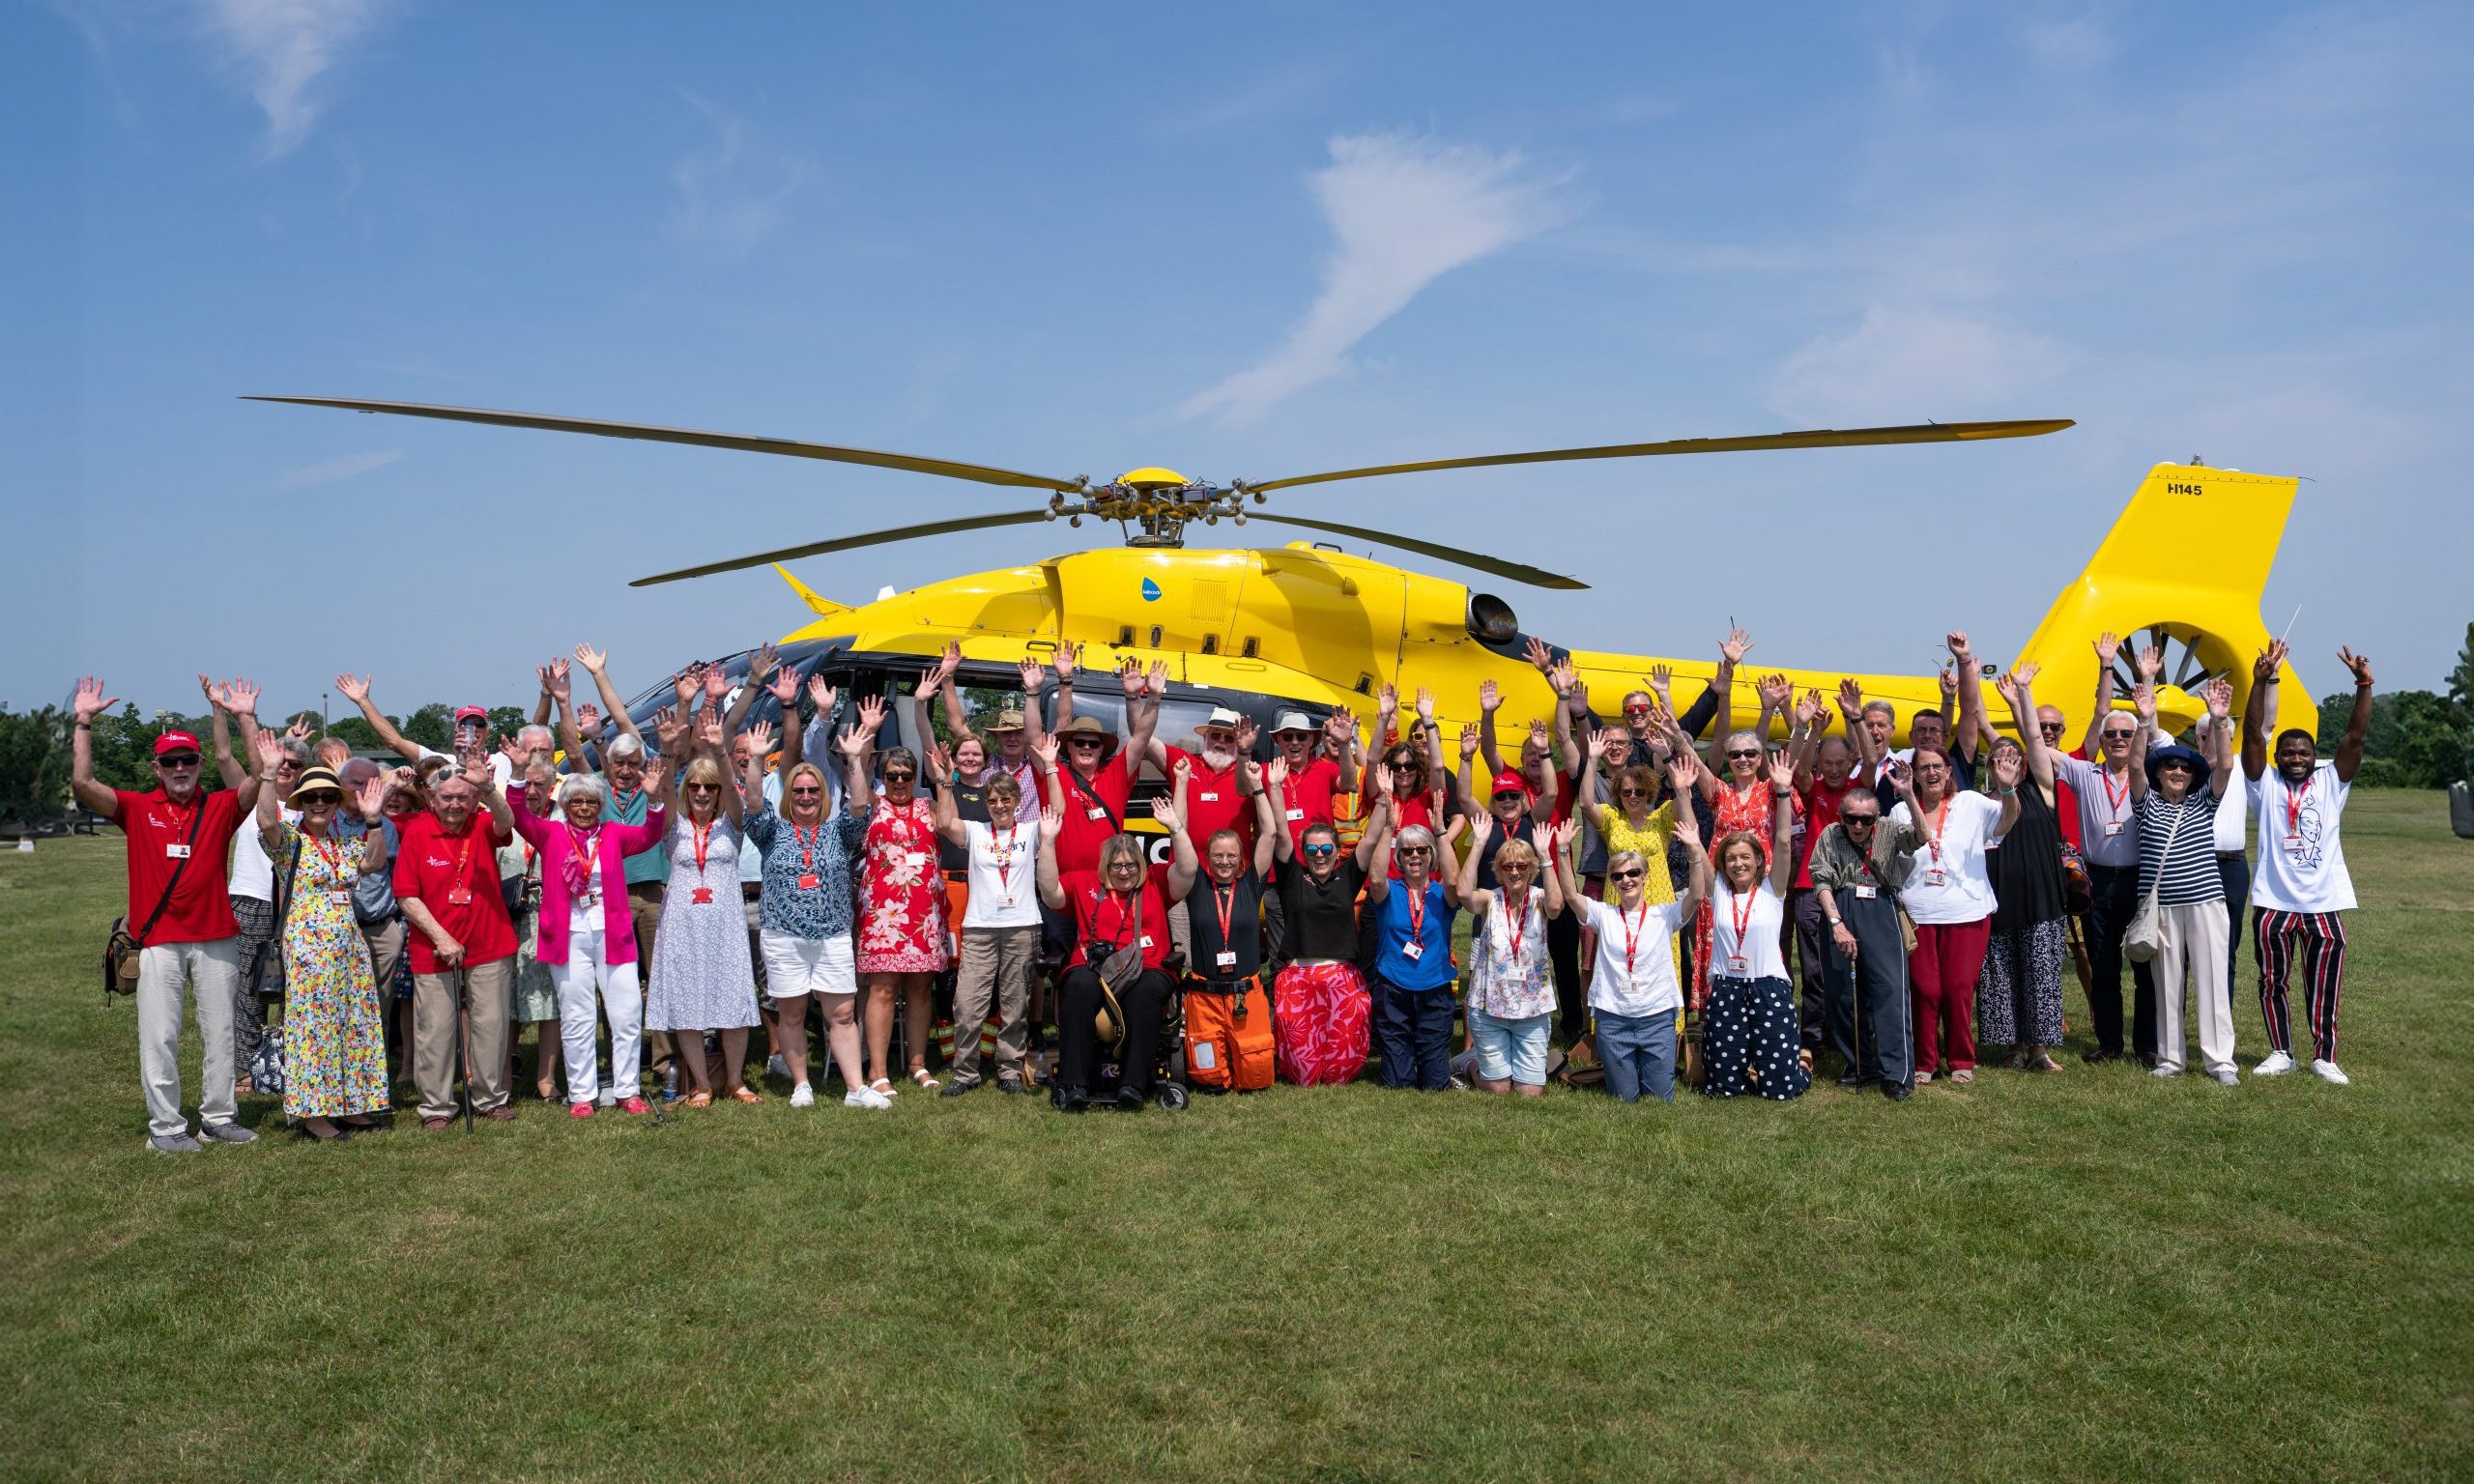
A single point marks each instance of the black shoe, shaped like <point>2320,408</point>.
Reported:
<point>2100,1054</point>
<point>1068,1099</point>
<point>1129,1101</point>
<point>1896,1093</point>
<point>957,1089</point>
<point>1010,1086</point>
<point>1855,1079</point>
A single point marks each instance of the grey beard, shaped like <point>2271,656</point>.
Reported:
<point>1219,761</point>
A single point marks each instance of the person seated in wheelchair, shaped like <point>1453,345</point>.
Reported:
<point>1229,1040</point>
<point>1117,967</point>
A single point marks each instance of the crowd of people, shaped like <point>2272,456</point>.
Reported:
<point>1645,907</point>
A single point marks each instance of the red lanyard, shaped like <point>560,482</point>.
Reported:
<point>2295,799</point>
<point>1740,910</point>
<point>1633,927</point>
<point>1224,902</point>
<point>2114,801</point>
<point>586,849</point>
<point>1941,821</point>
<point>704,836</point>
<point>330,853</point>
<point>1004,850</point>
<point>1418,915</point>
<point>807,844</point>
<point>1516,913</point>
<point>462,855</point>
<point>1123,908</point>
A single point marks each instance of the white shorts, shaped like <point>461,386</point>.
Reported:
<point>797,966</point>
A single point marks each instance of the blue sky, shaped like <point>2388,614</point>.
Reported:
<point>1074,240</point>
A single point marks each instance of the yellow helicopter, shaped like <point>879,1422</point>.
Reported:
<point>1310,626</point>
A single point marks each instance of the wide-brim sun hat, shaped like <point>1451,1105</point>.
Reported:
<point>1294,720</point>
<point>2200,768</point>
<point>1088,727</point>
<point>312,782</point>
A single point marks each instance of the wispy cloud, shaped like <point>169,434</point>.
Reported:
<point>310,476</point>
<point>1908,363</point>
<point>726,197</point>
<point>1403,212</point>
<point>281,48</point>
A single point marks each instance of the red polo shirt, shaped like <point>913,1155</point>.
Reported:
<point>2065,803</point>
<point>1213,801</point>
<point>1820,811</point>
<point>1086,824</point>
<point>1307,796</point>
<point>431,865</point>
<point>200,910</point>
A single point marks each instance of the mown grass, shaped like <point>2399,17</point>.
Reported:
<point>2084,1276</point>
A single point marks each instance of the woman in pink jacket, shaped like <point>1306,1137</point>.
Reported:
<point>588,933</point>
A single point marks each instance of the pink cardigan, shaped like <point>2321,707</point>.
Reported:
<point>550,837</point>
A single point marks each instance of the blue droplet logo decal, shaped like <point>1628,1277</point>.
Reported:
<point>1150,590</point>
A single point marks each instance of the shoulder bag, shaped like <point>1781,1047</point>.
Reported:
<point>2141,938</point>
<point>122,949</point>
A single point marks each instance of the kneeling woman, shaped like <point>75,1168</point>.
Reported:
<point>1512,988</point>
<point>1413,968</point>
<point>1749,1039</point>
<point>588,932</point>
<point>1112,908</point>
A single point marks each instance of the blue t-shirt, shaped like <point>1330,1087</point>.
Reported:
<point>820,911</point>
<point>1431,966</point>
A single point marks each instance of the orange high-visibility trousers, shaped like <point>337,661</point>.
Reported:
<point>1226,1047</point>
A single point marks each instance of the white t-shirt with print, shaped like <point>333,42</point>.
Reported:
<point>1009,898</point>
<point>1951,885</point>
<point>1645,986</point>
<point>2302,857</point>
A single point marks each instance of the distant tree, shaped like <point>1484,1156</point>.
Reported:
<point>34,765</point>
<point>2417,740</point>
<point>359,734</point>
<point>2460,680</point>
<point>508,720</point>
<point>432,726</point>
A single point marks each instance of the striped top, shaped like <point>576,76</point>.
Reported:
<point>2189,868</point>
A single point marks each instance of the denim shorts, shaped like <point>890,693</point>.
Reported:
<point>1510,1049</point>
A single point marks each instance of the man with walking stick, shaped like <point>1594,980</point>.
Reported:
<point>463,945</point>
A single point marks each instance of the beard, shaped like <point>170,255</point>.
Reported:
<point>1219,758</point>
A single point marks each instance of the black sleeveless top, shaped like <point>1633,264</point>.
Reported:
<point>2026,871</point>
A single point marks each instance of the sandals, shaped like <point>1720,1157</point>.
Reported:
<point>2018,1061</point>
<point>1923,1077</point>
<point>700,1099</point>
<point>883,1088</point>
<point>2043,1061</point>
<point>919,1075</point>
<point>745,1093</point>
<point>1963,1074</point>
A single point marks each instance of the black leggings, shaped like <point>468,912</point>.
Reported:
<point>1146,1007</point>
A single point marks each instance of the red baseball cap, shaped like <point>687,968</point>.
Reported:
<point>465,714</point>
<point>1511,779</point>
<point>176,742</point>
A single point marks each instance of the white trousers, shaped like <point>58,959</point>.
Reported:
<point>165,974</point>
<point>579,1018</point>
<point>2191,941</point>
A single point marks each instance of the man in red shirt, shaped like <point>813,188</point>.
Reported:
<point>1221,794</point>
<point>1316,779</point>
<point>462,943</point>
<point>180,910</point>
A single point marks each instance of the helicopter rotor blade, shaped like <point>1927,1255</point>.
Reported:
<point>950,468</point>
<point>1534,577</point>
<point>849,543</point>
<point>1818,438</point>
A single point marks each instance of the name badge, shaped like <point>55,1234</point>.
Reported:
<point>1412,950</point>
<point>459,896</point>
<point>1296,813</point>
<point>589,899</point>
<point>1095,811</point>
<point>1227,958</point>
<point>1738,963</point>
<point>1208,798</point>
<point>1867,893</point>
<point>1936,878</point>
<point>175,852</point>
<point>340,898</point>
<point>701,897</point>
<point>1147,940</point>
<point>2112,828</point>
<point>2295,845</point>
<point>808,881</point>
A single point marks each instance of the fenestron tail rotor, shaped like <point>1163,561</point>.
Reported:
<point>1157,504</point>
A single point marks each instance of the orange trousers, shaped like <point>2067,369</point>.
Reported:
<point>1225,1048</point>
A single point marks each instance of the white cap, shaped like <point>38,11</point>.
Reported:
<point>1293,721</point>
<point>1221,716</point>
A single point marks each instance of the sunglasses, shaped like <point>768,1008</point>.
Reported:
<point>1084,742</point>
<point>1632,792</point>
<point>808,792</point>
<point>1860,821</point>
<point>1635,873</point>
<point>177,760</point>
<point>900,778</point>
<point>1322,849</point>
<point>704,787</point>
<point>1743,751</point>
<point>322,796</point>
<point>1415,850</point>
<point>2049,727</point>
<point>1636,710</point>
<point>2113,734</point>
<point>2173,765</point>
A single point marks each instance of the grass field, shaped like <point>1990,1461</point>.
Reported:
<point>2084,1276</point>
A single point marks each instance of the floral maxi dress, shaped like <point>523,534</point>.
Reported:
<point>902,893</point>
<point>334,1045</point>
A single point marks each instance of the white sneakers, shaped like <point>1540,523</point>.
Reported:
<point>2227,1076</point>
<point>866,1097</point>
<point>2329,1072</point>
<point>803,1097</point>
<point>2277,1065</point>
<point>2153,1071</point>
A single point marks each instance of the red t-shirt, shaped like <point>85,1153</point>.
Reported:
<point>431,864</point>
<point>1087,825</point>
<point>1821,810</point>
<point>1213,802</point>
<point>200,910</point>
<point>1306,797</point>
<point>2065,803</point>
<point>1100,913</point>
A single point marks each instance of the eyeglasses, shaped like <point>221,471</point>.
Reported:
<point>322,796</point>
<point>1743,751</point>
<point>1084,742</point>
<point>1641,710</point>
<point>1930,770</point>
<point>2173,765</point>
<point>177,760</point>
<point>1634,873</point>
<point>2119,734</point>
<point>1858,822</point>
<point>704,787</point>
<point>2049,728</point>
<point>900,778</point>
<point>810,791</point>
<point>1415,850</point>
<point>1322,849</point>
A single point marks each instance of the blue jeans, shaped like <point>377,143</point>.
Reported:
<point>1413,1028</point>
<point>1510,1050</point>
<point>1638,1052</point>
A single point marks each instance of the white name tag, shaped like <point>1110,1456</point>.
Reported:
<point>177,852</point>
<point>1296,813</point>
<point>1208,798</point>
<point>1867,893</point>
<point>1095,811</point>
<point>1737,964</point>
<point>2112,828</point>
<point>1147,940</point>
<point>340,898</point>
<point>1935,878</point>
<point>1412,950</point>
<point>2295,845</point>
<point>1227,959</point>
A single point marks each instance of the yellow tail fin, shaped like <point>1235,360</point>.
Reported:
<point>824,607</point>
<point>2182,569</point>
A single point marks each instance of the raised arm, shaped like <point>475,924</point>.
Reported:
<point>1782,826</point>
<point>597,664</point>
<point>266,754</point>
<point>1464,880</point>
<point>1340,739</point>
<point>1489,698</point>
<point>932,680</point>
<point>949,819</point>
<point>2260,707</point>
<point>1066,659</point>
<point>1721,692</point>
<point>1552,841</point>
<point>2144,702</point>
<point>355,690</point>
<point>1183,864</point>
<point>2014,689</point>
<point>476,771</point>
<point>856,742</point>
<point>1051,822</point>
<point>760,666</point>
<point>1463,775</point>
<point>219,729</point>
<point>2092,744</point>
<point>2218,694</point>
<point>1378,821</point>
<point>1142,693</point>
<point>2357,720</point>
<point>1973,730</point>
<point>1688,905</point>
<point>1268,817</point>
<point>1567,751</point>
<point>90,702</point>
<point>2008,769</point>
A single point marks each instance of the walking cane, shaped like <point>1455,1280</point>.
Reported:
<point>464,1040</point>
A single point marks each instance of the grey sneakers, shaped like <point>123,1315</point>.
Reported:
<point>174,1143</point>
<point>227,1133</point>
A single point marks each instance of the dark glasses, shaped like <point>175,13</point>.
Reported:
<point>179,760</point>
<point>2049,727</point>
<point>2117,734</point>
<point>900,778</point>
<point>1860,821</point>
<point>1743,751</point>
<point>1084,742</point>
<point>1415,850</point>
<point>808,791</point>
<point>322,796</point>
<point>1634,875</point>
<point>1322,849</point>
